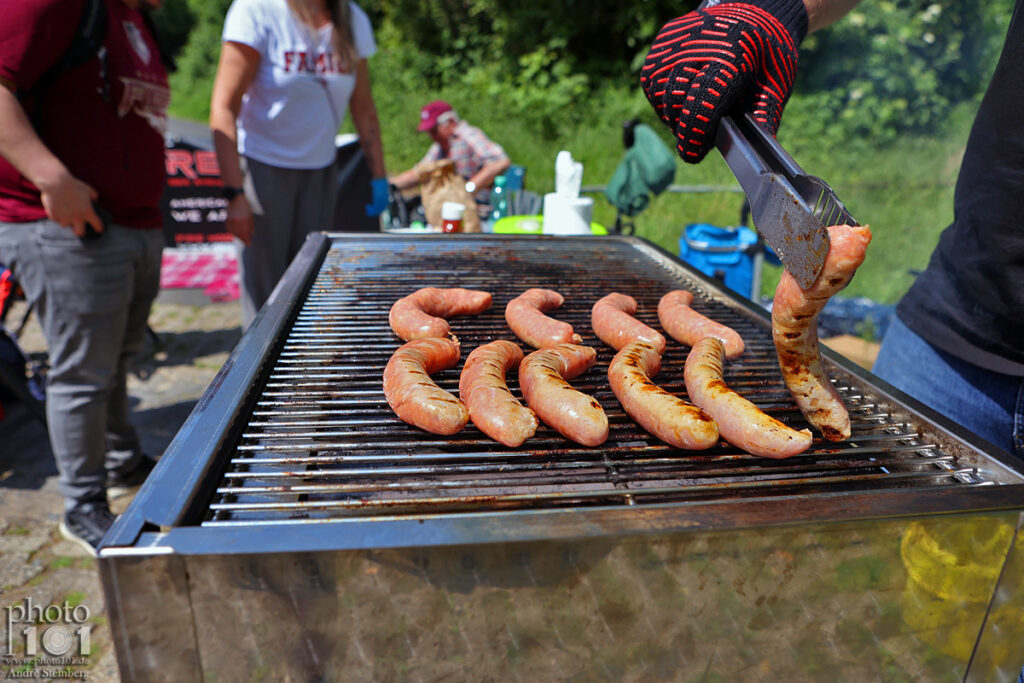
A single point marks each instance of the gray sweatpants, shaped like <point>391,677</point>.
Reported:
<point>92,298</point>
<point>287,204</point>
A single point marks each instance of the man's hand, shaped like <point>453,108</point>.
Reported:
<point>69,202</point>
<point>239,220</point>
<point>734,56</point>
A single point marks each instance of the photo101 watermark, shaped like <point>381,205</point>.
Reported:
<point>46,641</point>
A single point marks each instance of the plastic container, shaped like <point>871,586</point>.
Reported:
<point>515,178</point>
<point>533,225</point>
<point>499,198</point>
<point>732,255</point>
<point>451,216</point>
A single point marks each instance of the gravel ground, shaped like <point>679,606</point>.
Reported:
<point>36,563</point>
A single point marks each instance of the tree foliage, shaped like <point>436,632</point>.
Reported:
<point>890,67</point>
<point>895,67</point>
<point>192,83</point>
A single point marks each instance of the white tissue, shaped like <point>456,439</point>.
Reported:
<point>568,175</point>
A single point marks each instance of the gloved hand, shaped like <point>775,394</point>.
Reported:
<point>732,57</point>
<point>379,187</point>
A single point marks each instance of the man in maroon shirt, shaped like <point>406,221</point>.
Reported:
<point>81,174</point>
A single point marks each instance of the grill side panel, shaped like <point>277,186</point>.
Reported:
<point>792,604</point>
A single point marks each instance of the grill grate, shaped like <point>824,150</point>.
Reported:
<point>322,443</point>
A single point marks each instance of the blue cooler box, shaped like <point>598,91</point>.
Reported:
<point>731,255</point>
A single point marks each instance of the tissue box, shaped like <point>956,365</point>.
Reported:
<point>567,215</point>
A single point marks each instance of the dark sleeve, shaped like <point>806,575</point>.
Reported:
<point>34,35</point>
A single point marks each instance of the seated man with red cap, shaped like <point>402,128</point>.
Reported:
<point>477,159</point>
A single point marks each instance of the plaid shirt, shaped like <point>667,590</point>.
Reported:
<point>470,149</point>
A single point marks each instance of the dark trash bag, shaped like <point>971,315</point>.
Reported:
<point>648,168</point>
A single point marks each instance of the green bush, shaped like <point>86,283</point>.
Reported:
<point>890,68</point>
<point>192,83</point>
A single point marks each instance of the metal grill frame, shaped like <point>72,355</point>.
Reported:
<point>167,513</point>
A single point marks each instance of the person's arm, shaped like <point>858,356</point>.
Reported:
<point>66,199</point>
<point>411,178</point>
<point>489,171</point>
<point>364,117</point>
<point>405,179</point>
<point>495,160</point>
<point>235,72</point>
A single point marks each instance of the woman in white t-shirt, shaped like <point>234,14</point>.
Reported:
<point>288,72</point>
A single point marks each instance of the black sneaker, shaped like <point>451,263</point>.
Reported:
<point>122,484</point>
<point>86,524</point>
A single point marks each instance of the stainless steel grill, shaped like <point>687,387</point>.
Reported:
<point>296,529</point>
<point>322,442</point>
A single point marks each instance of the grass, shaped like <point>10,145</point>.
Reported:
<point>903,191</point>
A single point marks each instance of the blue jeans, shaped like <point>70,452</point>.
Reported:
<point>987,403</point>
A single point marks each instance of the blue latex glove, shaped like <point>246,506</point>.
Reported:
<point>379,187</point>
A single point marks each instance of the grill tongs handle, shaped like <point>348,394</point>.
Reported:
<point>790,209</point>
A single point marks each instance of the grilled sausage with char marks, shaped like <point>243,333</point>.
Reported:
<point>795,331</point>
<point>740,422</point>
<point>687,326</point>
<point>525,316</point>
<point>613,323</point>
<point>422,313</point>
<point>666,416</point>
<point>484,391</point>
<point>414,396</point>
<point>573,414</point>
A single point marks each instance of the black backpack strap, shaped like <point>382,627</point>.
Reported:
<point>86,44</point>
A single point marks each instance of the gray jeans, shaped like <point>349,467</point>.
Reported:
<point>92,298</point>
<point>287,205</point>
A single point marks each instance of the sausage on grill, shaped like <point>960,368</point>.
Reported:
<point>484,391</point>
<point>573,414</point>
<point>795,331</point>
<point>740,422</point>
<point>414,396</point>
<point>613,323</point>
<point>687,326</point>
<point>422,313</point>
<point>666,416</point>
<point>525,316</point>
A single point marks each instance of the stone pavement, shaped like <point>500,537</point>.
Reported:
<point>36,563</point>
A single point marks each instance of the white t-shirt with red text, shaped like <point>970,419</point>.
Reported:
<point>299,97</point>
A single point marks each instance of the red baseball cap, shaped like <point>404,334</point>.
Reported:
<point>430,112</point>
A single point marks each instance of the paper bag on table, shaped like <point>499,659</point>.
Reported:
<point>439,183</point>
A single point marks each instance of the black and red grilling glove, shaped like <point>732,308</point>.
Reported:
<point>728,58</point>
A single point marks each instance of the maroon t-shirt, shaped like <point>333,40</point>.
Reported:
<point>115,144</point>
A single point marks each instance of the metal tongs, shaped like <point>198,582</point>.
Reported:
<point>790,209</point>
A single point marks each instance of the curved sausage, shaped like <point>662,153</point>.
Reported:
<point>666,416</point>
<point>573,414</point>
<point>613,323</point>
<point>795,331</point>
<point>687,326</point>
<point>740,422</point>
<point>422,313</point>
<point>414,397</point>
<point>525,316</point>
<point>492,407</point>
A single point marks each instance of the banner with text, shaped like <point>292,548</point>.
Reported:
<point>193,208</point>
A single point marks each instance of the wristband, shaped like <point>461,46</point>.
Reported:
<point>230,193</point>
